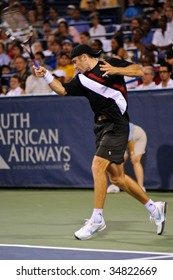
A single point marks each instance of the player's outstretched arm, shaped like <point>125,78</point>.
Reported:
<point>54,84</point>
<point>133,70</point>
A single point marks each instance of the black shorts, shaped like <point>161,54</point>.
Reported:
<point>111,140</point>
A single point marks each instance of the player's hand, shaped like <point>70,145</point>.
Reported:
<point>39,72</point>
<point>107,68</point>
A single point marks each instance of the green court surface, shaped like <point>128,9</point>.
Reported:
<point>50,217</point>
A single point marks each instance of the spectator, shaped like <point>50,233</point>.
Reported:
<point>60,75</point>
<point>39,8</point>
<point>148,59</point>
<point>14,51</point>
<point>1,91</point>
<point>40,57</point>
<point>4,57</point>
<point>5,69</point>
<point>50,40</point>
<point>5,77</point>
<point>4,38</point>
<point>136,49</point>
<point>155,14</point>
<point>162,38</point>
<point>56,48</point>
<point>64,63</point>
<point>90,5</point>
<point>33,86</point>
<point>69,12</point>
<point>84,4</point>
<point>169,59</point>
<point>151,6</point>
<point>21,68</point>
<point>37,47</point>
<point>117,46</point>
<point>46,29</point>
<point>32,19</point>
<point>53,17</point>
<point>133,10</point>
<point>166,3</point>
<point>15,88</point>
<point>165,76</point>
<point>169,14</point>
<point>67,46</point>
<point>78,22</point>
<point>108,3</point>
<point>85,37</point>
<point>97,45</point>
<point>16,5</point>
<point>147,79</point>
<point>65,31</point>
<point>97,30</point>
<point>135,23</point>
<point>147,32</point>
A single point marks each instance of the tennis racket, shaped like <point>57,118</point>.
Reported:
<point>18,29</point>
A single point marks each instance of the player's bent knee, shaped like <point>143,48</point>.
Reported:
<point>117,180</point>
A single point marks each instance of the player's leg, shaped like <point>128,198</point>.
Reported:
<point>157,210</point>
<point>126,183</point>
<point>99,167</point>
<point>96,223</point>
<point>113,188</point>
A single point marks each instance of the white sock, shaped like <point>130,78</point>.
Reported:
<point>150,206</point>
<point>97,215</point>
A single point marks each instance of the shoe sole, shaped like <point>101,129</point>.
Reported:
<point>89,237</point>
<point>163,224</point>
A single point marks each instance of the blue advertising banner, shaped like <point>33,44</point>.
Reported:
<point>153,111</point>
<point>46,141</point>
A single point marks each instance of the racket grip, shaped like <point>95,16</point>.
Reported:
<point>36,64</point>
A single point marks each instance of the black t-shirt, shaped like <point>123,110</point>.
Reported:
<point>107,95</point>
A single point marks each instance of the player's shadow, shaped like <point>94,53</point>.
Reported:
<point>165,165</point>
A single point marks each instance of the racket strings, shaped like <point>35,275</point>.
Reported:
<point>17,26</point>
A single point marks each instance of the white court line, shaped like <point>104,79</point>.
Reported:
<point>155,257</point>
<point>166,254</point>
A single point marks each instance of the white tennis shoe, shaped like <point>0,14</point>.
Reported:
<point>89,229</point>
<point>159,216</point>
<point>113,189</point>
<point>144,189</point>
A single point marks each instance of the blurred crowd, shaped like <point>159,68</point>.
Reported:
<point>144,36</point>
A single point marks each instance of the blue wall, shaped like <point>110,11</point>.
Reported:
<point>48,141</point>
<point>154,112</point>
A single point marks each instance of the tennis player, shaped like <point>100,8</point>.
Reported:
<point>102,83</point>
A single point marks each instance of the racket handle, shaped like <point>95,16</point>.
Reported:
<point>36,64</point>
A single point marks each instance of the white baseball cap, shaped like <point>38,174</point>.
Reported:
<point>72,7</point>
<point>59,73</point>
